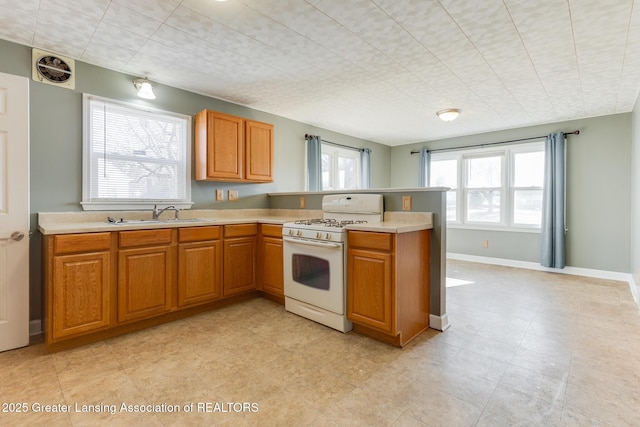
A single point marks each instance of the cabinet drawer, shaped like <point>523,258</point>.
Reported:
<point>271,230</point>
<point>85,242</point>
<point>370,240</point>
<point>145,237</point>
<point>236,230</point>
<point>198,234</point>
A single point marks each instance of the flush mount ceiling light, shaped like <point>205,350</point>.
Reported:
<point>449,114</point>
<point>145,88</point>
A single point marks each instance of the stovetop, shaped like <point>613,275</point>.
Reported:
<point>327,222</point>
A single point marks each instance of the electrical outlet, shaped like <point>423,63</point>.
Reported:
<point>485,244</point>
<point>233,195</point>
<point>219,195</point>
<point>406,203</point>
<point>303,203</point>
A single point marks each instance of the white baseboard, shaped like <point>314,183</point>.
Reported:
<point>441,323</point>
<point>635,289</point>
<point>576,271</point>
<point>35,327</point>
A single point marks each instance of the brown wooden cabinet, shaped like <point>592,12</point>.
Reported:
<point>258,151</point>
<point>230,148</point>
<point>239,271</point>
<point>388,284</point>
<point>100,285</point>
<point>146,273</point>
<point>270,262</point>
<point>79,285</point>
<point>199,265</point>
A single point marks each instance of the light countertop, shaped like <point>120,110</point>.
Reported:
<point>89,222</point>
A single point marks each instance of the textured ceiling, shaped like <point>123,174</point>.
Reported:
<point>374,69</point>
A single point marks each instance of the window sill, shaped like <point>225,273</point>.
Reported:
<point>494,228</point>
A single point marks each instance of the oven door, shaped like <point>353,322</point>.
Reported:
<point>314,273</point>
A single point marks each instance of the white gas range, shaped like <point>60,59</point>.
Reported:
<point>314,258</point>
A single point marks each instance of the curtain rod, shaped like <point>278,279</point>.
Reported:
<point>575,132</point>
<point>307,136</point>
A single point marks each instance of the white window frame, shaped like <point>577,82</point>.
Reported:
<point>521,149</point>
<point>508,153</point>
<point>466,188</point>
<point>90,202</point>
<point>334,151</point>
<point>458,187</point>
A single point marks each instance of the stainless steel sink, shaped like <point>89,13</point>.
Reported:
<point>152,221</point>
<point>169,221</point>
<point>134,221</point>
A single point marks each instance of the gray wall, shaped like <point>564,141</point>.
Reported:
<point>635,196</point>
<point>56,145</point>
<point>598,189</point>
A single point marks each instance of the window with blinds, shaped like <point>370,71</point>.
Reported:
<point>134,155</point>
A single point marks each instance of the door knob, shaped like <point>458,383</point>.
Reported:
<point>17,235</point>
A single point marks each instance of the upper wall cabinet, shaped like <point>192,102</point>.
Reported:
<point>230,148</point>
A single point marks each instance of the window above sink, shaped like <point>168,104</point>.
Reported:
<point>134,156</point>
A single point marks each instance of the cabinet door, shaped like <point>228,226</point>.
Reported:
<point>369,289</point>
<point>259,151</point>
<point>219,146</point>
<point>145,282</point>
<point>239,265</point>
<point>272,274</point>
<point>80,294</point>
<point>199,272</point>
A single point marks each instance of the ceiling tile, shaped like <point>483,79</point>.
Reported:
<point>373,69</point>
<point>130,20</point>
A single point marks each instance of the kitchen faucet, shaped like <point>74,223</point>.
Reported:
<point>157,213</point>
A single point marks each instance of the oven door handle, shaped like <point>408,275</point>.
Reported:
<point>311,242</point>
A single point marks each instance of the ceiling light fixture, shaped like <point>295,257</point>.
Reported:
<point>449,114</point>
<point>145,88</point>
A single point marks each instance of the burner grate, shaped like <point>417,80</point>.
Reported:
<point>329,222</point>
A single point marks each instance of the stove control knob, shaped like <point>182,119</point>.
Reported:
<point>328,236</point>
<point>299,233</point>
<point>290,232</point>
<point>318,235</point>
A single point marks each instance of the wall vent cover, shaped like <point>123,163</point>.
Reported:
<point>53,69</point>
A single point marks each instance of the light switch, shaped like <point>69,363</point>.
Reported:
<point>303,203</point>
<point>233,195</point>
<point>219,195</point>
<point>406,203</point>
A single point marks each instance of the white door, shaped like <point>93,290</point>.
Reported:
<point>14,211</point>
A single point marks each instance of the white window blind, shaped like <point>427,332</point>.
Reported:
<point>135,155</point>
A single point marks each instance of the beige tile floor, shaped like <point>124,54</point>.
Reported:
<point>525,348</point>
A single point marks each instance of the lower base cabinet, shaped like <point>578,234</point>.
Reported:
<point>79,285</point>
<point>199,265</point>
<point>146,265</point>
<point>99,285</point>
<point>239,253</point>
<point>270,255</point>
<point>388,284</point>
